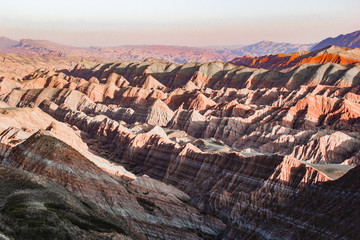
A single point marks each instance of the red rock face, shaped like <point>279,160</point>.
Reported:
<point>286,62</point>
<point>214,150</point>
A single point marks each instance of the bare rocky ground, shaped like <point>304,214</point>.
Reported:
<point>156,150</point>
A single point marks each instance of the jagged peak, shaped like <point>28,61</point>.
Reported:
<point>157,103</point>
<point>158,131</point>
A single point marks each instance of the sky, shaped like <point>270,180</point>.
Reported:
<point>169,22</point>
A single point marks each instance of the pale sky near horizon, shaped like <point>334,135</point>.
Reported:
<point>186,22</point>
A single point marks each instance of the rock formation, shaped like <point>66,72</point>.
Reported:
<point>158,150</point>
<point>286,62</point>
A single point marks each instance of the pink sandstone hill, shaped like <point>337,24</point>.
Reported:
<point>161,150</point>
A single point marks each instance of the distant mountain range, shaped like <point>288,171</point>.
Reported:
<point>179,54</point>
<point>268,47</point>
<point>350,40</point>
<point>7,43</point>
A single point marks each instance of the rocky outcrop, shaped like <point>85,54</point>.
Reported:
<point>277,120</point>
<point>155,112</point>
<point>270,150</point>
<point>313,111</point>
<point>259,185</point>
<point>286,62</point>
<point>157,215</point>
<point>279,180</point>
<point>148,82</point>
<point>32,207</point>
<point>323,202</point>
<point>329,147</point>
<point>190,121</point>
<point>18,123</point>
<point>238,77</point>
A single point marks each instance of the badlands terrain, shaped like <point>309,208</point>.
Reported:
<point>153,149</point>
